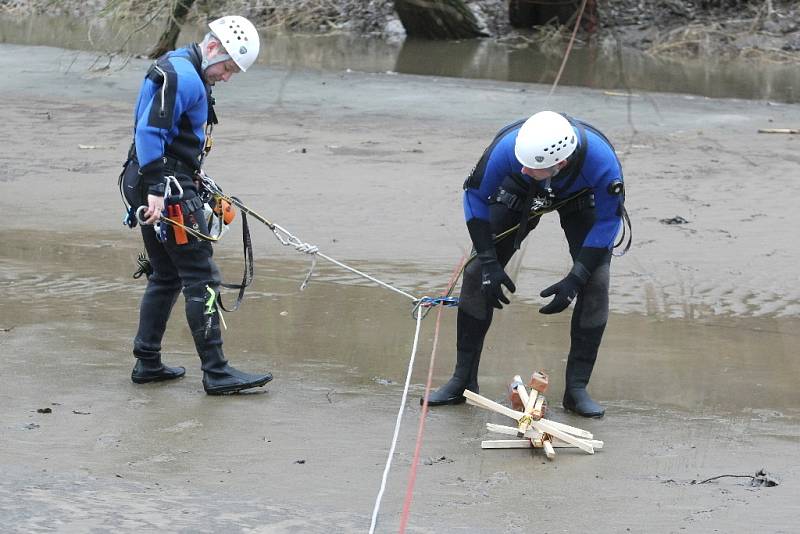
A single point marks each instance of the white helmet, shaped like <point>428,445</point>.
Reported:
<point>240,39</point>
<point>544,140</point>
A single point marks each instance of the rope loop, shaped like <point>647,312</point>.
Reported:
<point>429,302</point>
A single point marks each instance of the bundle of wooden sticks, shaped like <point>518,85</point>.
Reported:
<point>533,430</point>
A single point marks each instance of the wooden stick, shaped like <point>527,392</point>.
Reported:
<point>534,435</point>
<point>483,402</point>
<point>536,413</point>
<point>544,427</point>
<point>617,93</point>
<point>548,447</point>
<point>521,391</point>
<point>534,395</point>
<point>779,130</point>
<point>525,424</point>
<point>511,431</point>
<point>557,444</point>
<point>506,444</point>
<point>572,430</point>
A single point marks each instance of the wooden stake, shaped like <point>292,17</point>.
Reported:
<point>483,402</point>
<point>548,447</point>
<point>779,130</point>
<point>572,430</point>
<point>511,431</point>
<point>536,413</point>
<point>544,426</point>
<point>534,435</point>
<point>506,444</point>
<point>521,391</point>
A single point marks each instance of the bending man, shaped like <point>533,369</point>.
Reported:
<point>546,160</point>
<point>174,116</point>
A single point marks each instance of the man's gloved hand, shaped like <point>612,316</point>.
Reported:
<point>493,277</point>
<point>564,291</point>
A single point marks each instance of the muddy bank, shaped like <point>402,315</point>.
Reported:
<point>697,371</point>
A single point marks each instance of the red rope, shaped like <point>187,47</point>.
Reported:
<point>412,477</point>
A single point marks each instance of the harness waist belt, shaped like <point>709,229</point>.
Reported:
<point>515,202</point>
<point>193,204</point>
<point>178,167</point>
<point>581,203</point>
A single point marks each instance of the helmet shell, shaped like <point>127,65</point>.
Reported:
<point>239,38</point>
<point>544,140</point>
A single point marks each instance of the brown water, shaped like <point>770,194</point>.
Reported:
<point>744,366</point>
<point>597,67</point>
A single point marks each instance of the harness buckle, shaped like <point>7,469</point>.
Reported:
<point>512,201</point>
<point>540,203</point>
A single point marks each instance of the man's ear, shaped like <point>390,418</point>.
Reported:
<point>212,48</point>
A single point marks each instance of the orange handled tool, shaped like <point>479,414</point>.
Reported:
<point>175,213</point>
<point>224,210</point>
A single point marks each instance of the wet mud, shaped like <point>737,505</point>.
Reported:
<point>697,370</point>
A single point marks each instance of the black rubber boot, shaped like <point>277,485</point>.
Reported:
<point>586,332</point>
<point>152,370</point>
<point>219,377</point>
<point>470,335</point>
<point>227,379</point>
<point>577,400</point>
<point>157,302</point>
<point>453,391</point>
<point>579,369</point>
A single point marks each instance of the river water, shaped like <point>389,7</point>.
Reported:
<point>603,67</point>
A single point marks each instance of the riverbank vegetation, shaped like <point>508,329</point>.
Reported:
<point>755,29</point>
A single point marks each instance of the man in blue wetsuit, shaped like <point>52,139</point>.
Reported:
<point>173,120</point>
<point>547,160</point>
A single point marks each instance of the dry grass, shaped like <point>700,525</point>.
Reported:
<point>746,36</point>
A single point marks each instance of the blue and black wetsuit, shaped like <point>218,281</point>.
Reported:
<point>495,196</point>
<point>170,121</point>
<point>171,115</point>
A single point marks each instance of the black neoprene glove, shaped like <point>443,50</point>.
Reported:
<point>565,290</point>
<point>493,277</point>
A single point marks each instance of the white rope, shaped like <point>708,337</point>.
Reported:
<point>288,239</point>
<point>396,428</point>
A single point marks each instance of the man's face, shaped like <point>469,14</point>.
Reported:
<point>541,175</point>
<point>220,71</point>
